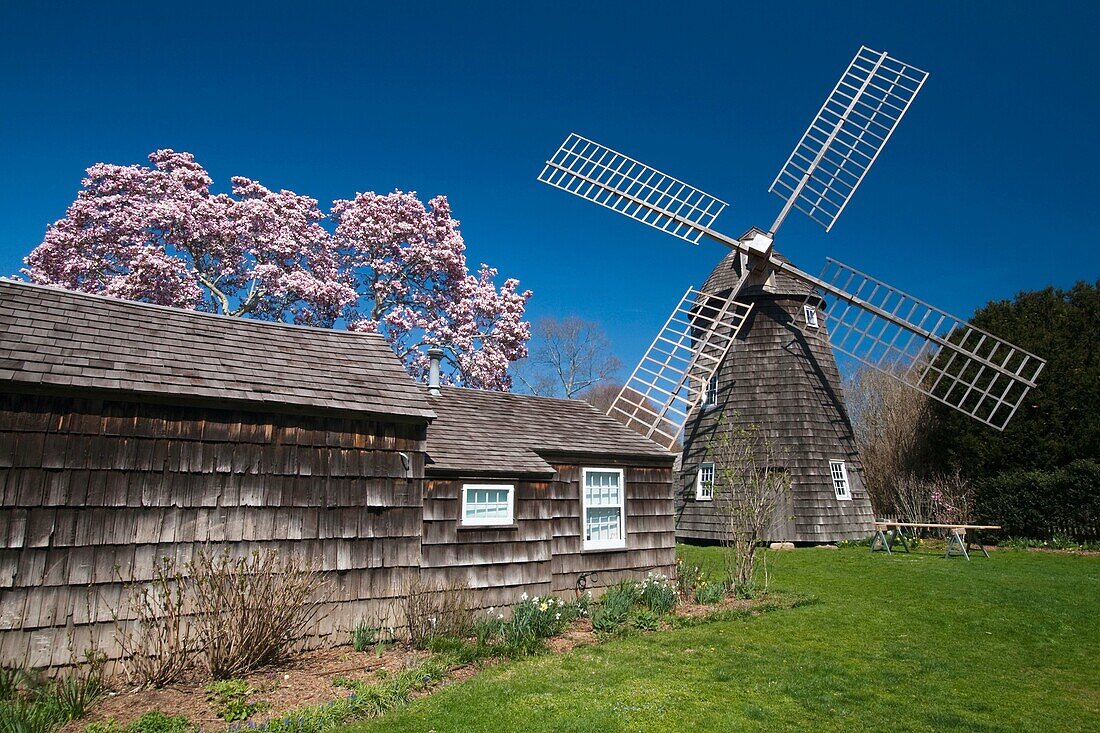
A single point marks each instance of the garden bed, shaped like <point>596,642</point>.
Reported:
<point>276,698</point>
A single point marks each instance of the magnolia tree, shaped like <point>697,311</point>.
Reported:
<point>390,265</point>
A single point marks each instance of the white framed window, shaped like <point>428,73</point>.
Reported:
<point>810,312</point>
<point>602,508</point>
<point>840,479</point>
<point>704,482</point>
<point>710,394</point>
<point>487,504</point>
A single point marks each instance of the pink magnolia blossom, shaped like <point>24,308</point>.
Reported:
<point>157,234</point>
<point>409,262</point>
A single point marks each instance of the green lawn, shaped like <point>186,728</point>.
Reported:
<point>894,643</point>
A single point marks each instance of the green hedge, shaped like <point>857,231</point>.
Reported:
<point>1040,504</point>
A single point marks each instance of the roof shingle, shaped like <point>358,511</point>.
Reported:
<point>50,336</point>
<point>508,434</point>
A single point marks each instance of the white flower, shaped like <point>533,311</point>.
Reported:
<point>524,596</point>
<point>557,617</point>
<point>286,677</point>
<point>500,617</point>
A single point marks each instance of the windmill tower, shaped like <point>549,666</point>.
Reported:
<point>756,342</point>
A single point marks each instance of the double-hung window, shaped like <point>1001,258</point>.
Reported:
<point>710,395</point>
<point>704,482</point>
<point>487,504</point>
<point>603,504</point>
<point>811,315</point>
<point>840,479</point>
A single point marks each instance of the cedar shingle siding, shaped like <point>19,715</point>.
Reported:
<point>130,432</point>
<point>782,376</point>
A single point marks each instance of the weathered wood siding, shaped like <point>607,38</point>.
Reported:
<point>499,562</point>
<point>97,489</point>
<point>650,533</point>
<point>782,376</point>
<point>542,552</point>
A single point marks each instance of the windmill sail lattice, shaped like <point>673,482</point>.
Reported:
<point>599,174</point>
<point>846,136</point>
<point>669,382</point>
<point>943,356</point>
<point>932,351</point>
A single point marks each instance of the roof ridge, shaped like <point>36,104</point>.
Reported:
<point>5,281</point>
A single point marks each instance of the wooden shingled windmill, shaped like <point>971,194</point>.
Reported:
<point>753,343</point>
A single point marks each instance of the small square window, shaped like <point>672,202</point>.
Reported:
<point>840,480</point>
<point>710,396</point>
<point>602,505</point>
<point>487,504</point>
<point>810,312</point>
<point>704,482</point>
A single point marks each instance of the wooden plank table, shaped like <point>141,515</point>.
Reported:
<point>955,543</point>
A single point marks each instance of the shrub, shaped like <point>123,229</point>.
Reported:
<point>158,647</point>
<point>1039,504</point>
<point>437,610</point>
<point>658,594</point>
<point>251,611</point>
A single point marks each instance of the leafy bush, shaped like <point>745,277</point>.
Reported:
<point>658,594</point>
<point>230,700</point>
<point>1039,504</point>
<point>151,722</point>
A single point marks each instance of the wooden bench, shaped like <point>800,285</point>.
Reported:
<point>956,544</point>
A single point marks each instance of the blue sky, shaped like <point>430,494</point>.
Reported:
<point>988,187</point>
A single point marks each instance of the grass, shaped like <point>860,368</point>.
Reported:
<point>901,643</point>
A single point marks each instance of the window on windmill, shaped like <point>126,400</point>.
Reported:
<point>704,482</point>
<point>487,504</point>
<point>602,504</point>
<point>840,479</point>
<point>710,395</point>
<point>810,312</point>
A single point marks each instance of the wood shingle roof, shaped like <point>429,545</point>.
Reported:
<point>506,434</point>
<point>53,339</point>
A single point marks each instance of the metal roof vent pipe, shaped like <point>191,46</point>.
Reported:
<point>435,354</point>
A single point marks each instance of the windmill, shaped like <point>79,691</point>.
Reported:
<point>720,337</point>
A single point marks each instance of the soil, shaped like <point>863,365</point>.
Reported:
<point>304,680</point>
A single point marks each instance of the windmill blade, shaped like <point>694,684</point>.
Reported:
<point>944,357</point>
<point>599,174</point>
<point>671,378</point>
<point>846,136</point>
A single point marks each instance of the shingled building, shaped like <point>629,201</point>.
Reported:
<point>781,376</point>
<point>131,432</point>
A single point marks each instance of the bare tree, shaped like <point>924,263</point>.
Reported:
<point>567,357</point>
<point>892,428</point>
<point>750,482</point>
